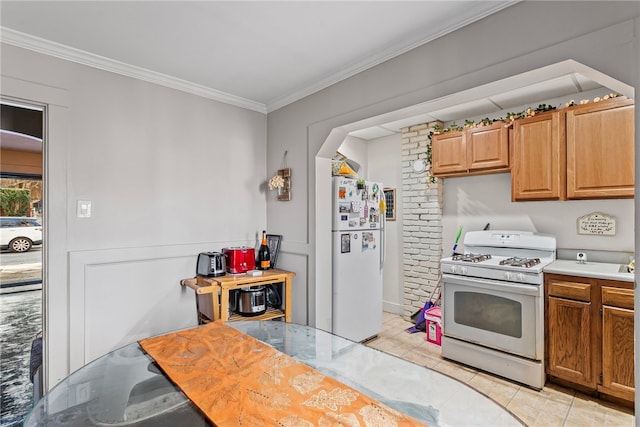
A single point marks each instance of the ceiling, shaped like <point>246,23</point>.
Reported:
<point>260,55</point>
<point>263,55</point>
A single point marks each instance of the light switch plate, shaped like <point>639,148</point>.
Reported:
<point>84,209</point>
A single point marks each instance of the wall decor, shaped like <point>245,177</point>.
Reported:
<point>284,192</point>
<point>597,224</point>
<point>281,181</point>
<point>390,203</point>
<point>419,166</point>
<point>273,241</point>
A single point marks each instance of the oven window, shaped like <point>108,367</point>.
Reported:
<point>488,312</point>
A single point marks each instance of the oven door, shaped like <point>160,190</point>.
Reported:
<point>500,315</point>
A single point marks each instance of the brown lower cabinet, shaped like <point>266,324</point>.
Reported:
<point>589,335</point>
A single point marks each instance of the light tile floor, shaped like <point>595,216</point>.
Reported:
<point>553,406</point>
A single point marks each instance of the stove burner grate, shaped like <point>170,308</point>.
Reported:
<point>471,257</point>
<point>520,262</point>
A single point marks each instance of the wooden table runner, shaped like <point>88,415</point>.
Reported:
<point>237,380</point>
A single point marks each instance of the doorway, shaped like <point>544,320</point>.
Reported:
<point>21,259</point>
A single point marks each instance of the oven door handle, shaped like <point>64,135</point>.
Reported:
<point>496,285</point>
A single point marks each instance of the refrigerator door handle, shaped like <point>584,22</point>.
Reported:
<point>382,244</point>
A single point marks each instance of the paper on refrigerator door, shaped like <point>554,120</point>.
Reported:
<point>345,243</point>
<point>368,241</point>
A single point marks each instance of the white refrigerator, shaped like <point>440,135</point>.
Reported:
<point>358,258</point>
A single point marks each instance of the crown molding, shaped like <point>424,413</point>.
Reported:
<point>58,50</point>
<point>68,53</point>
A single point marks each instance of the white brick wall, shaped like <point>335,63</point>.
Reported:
<point>422,225</point>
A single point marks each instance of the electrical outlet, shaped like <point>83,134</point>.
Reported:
<point>581,257</point>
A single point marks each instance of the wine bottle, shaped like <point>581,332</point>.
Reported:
<point>264,255</point>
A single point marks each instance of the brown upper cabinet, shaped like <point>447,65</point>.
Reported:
<point>581,152</point>
<point>600,150</point>
<point>538,158</point>
<point>449,154</point>
<point>472,151</point>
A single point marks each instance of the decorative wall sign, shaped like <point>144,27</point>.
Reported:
<point>597,224</point>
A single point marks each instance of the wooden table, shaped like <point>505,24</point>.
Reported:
<point>217,306</point>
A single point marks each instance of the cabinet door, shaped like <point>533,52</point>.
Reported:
<point>538,161</point>
<point>449,154</point>
<point>617,353</point>
<point>569,341</point>
<point>600,150</point>
<point>488,147</point>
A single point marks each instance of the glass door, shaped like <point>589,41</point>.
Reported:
<point>21,234</point>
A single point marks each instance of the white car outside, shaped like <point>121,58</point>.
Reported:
<point>19,234</point>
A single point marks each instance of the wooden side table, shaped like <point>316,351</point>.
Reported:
<point>219,288</point>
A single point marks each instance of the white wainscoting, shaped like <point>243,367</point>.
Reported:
<point>294,256</point>
<point>118,296</point>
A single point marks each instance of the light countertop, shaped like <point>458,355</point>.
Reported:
<point>597,270</point>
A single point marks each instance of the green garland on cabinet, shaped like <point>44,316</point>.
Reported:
<point>529,112</point>
<point>430,178</point>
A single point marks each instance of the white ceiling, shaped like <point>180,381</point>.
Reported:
<point>260,55</point>
<point>263,55</point>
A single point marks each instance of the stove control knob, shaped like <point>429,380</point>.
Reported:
<point>521,277</point>
<point>456,269</point>
<point>507,275</point>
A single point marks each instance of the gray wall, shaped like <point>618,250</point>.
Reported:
<point>474,202</point>
<point>385,165</point>
<point>169,175</point>
<point>524,37</point>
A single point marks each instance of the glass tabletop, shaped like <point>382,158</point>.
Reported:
<point>124,387</point>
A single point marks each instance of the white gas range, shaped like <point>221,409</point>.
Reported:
<point>493,305</point>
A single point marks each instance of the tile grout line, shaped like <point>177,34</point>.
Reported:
<point>566,417</point>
